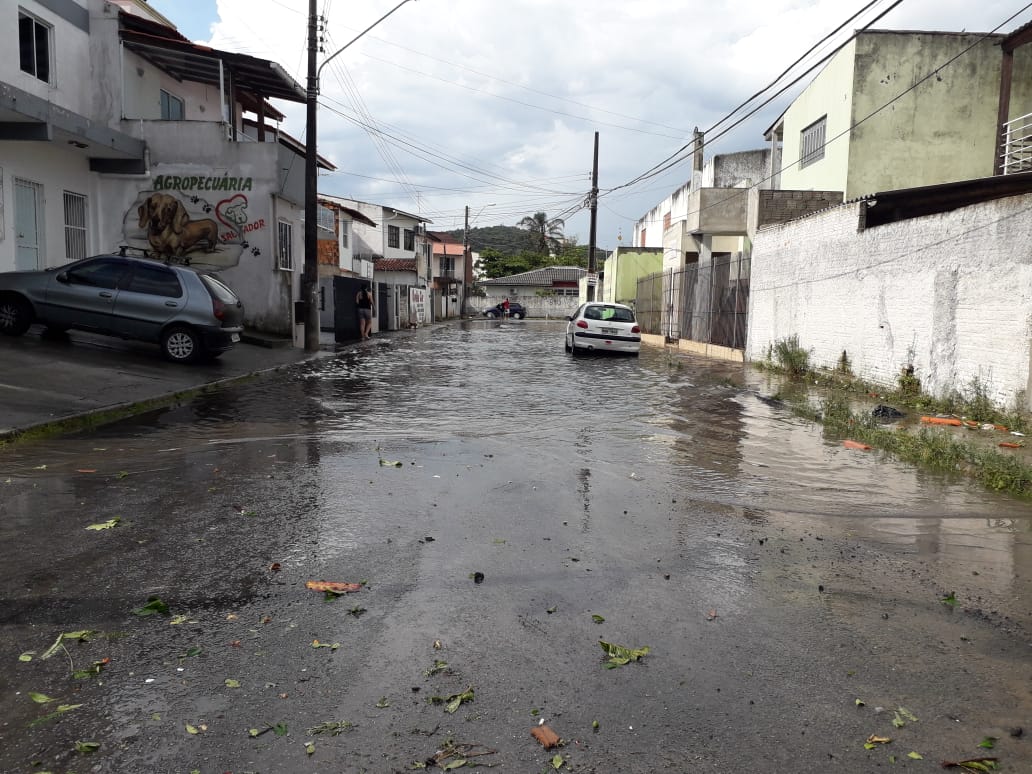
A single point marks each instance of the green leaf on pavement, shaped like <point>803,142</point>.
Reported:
<point>458,763</point>
<point>154,605</point>
<point>950,599</point>
<point>383,703</point>
<point>27,655</point>
<point>915,756</point>
<point>988,743</point>
<point>619,655</point>
<point>110,523</point>
<point>598,619</point>
<point>87,747</point>
<point>310,748</point>
<point>192,730</point>
<point>39,698</point>
<point>557,762</point>
<point>280,729</point>
<point>231,683</point>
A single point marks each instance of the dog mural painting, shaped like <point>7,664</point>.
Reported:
<point>174,222</point>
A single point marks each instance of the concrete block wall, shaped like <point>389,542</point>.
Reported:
<point>771,207</point>
<point>950,294</point>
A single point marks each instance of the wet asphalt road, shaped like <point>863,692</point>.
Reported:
<point>776,577</point>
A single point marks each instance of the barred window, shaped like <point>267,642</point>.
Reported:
<point>410,239</point>
<point>75,226</point>
<point>811,142</point>
<point>285,243</point>
<point>393,236</point>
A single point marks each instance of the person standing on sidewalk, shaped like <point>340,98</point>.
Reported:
<point>505,307</point>
<point>366,307</point>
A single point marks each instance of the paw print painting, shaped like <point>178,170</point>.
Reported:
<point>255,251</point>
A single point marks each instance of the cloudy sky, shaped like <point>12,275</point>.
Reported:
<point>494,103</point>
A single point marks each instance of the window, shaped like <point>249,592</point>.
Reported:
<point>447,265</point>
<point>101,273</point>
<point>666,222</point>
<point>344,225</point>
<point>155,281</point>
<point>393,236</point>
<point>811,142</point>
<point>410,239</point>
<point>34,47</point>
<point>75,225</point>
<point>285,242</point>
<point>171,107</point>
<point>326,220</point>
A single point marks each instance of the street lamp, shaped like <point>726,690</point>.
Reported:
<point>310,276</point>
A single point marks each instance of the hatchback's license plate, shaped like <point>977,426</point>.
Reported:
<point>235,337</point>
<point>610,331</point>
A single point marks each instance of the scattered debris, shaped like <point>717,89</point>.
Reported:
<point>950,599</point>
<point>109,524</point>
<point>86,747</point>
<point>1010,445</point>
<point>478,577</point>
<point>850,444</point>
<point>460,754</point>
<point>619,655</point>
<point>390,463</point>
<point>598,619</point>
<point>951,421</point>
<point>383,703</point>
<point>988,742</point>
<point>454,701</point>
<point>439,666</point>
<point>154,605</point>
<point>333,728</point>
<point>334,589</point>
<point>546,736</point>
<point>973,764</point>
<point>83,635</point>
<point>874,740</point>
<point>886,412</point>
<point>711,615</point>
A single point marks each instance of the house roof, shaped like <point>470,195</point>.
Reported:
<point>394,264</point>
<point>340,200</point>
<point>891,206</point>
<point>188,61</point>
<point>546,276</point>
<point>355,214</point>
<point>443,237</point>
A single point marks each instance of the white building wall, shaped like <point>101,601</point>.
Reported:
<point>69,56</point>
<point>950,294</point>
<point>56,170</point>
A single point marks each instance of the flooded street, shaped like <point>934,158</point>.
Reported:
<point>793,594</point>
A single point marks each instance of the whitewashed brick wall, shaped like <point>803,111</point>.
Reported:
<point>950,294</point>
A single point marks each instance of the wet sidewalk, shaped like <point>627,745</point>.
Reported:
<point>45,380</point>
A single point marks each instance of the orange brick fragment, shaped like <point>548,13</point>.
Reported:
<point>546,736</point>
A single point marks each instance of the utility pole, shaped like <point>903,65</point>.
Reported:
<point>310,274</point>
<point>593,203</point>
<point>467,266</point>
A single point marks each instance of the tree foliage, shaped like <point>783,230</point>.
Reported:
<point>546,234</point>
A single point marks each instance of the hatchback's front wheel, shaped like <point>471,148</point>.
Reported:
<point>181,345</point>
<point>15,316</point>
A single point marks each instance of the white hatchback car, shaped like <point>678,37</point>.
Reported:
<point>602,327</point>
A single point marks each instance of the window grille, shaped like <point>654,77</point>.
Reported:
<point>811,142</point>
<point>285,242</point>
<point>75,225</point>
<point>393,236</point>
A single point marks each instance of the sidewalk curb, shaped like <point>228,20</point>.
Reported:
<point>107,414</point>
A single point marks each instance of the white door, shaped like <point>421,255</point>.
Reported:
<point>28,226</point>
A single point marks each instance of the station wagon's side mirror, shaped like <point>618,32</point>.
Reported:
<point>62,277</point>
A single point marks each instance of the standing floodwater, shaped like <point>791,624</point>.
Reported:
<point>514,506</point>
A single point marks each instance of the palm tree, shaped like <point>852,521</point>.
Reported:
<point>546,236</point>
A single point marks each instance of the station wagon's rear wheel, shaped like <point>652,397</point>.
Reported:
<point>181,345</point>
<point>15,316</point>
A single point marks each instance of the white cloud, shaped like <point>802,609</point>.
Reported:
<point>496,93</point>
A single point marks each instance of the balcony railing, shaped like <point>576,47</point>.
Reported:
<point>1017,145</point>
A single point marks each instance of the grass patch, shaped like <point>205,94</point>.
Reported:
<point>931,448</point>
<point>789,357</point>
